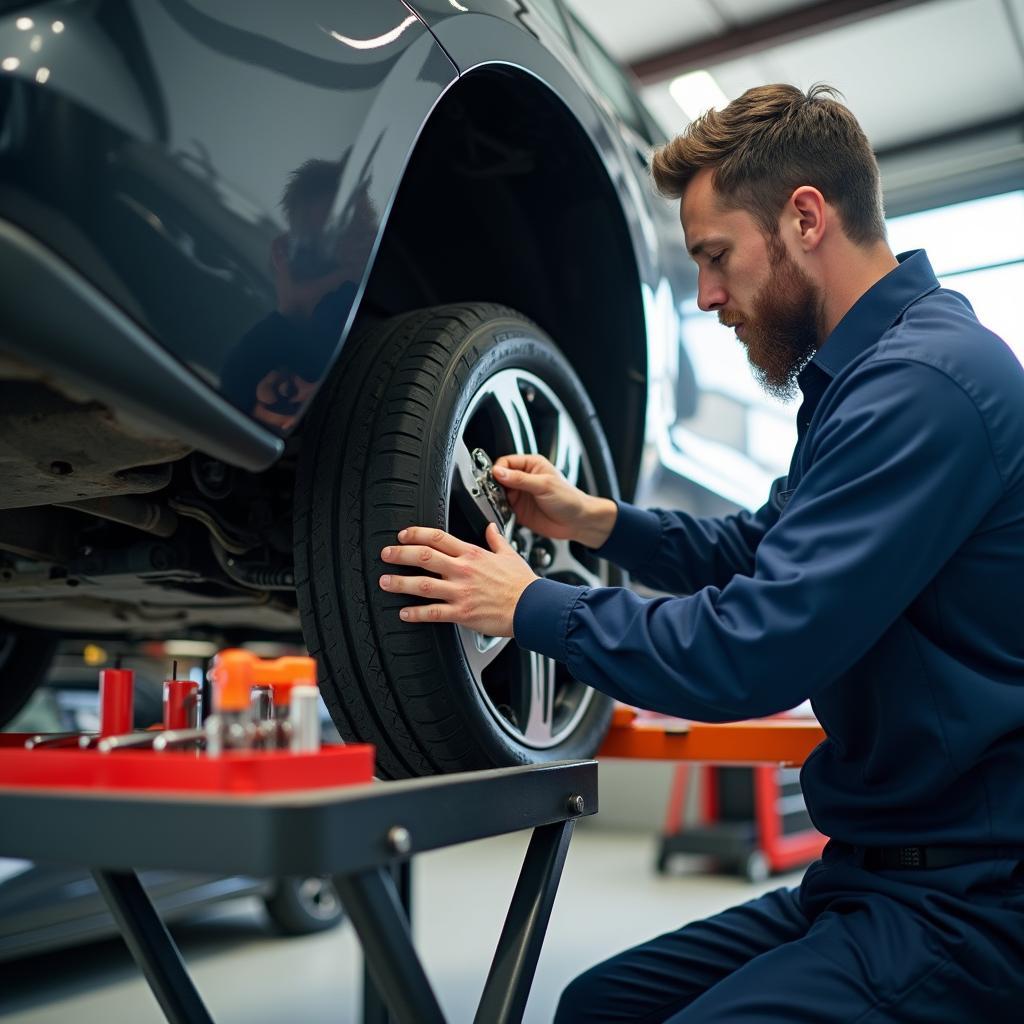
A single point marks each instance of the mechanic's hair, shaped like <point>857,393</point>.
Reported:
<point>315,179</point>
<point>770,141</point>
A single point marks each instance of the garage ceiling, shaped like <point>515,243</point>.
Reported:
<point>938,85</point>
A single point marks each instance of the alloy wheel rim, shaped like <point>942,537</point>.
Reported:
<point>531,697</point>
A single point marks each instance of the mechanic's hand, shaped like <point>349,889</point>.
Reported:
<point>478,588</point>
<point>545,502</point>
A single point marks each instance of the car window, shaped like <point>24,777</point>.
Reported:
<point>610,79</point>
<point>550,12</point>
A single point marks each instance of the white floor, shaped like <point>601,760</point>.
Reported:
<point>609,899</point>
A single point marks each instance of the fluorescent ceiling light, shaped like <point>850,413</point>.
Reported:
<point>696,93</point>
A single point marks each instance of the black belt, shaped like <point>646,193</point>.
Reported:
<point>893,858</point>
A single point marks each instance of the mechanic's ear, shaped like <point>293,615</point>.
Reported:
<point>808,214</point>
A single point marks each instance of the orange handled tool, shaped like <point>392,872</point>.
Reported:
<point>235,672</point>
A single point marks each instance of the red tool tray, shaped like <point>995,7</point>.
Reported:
<point>235,771</point>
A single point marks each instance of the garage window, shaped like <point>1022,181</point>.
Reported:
<point>977,249</point>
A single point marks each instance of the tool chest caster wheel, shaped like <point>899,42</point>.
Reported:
<point>302,906</point>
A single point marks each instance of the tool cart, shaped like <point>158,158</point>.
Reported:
<point>253,783</point>
<point>753,815</point>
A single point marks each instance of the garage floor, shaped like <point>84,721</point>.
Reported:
<point>609,899</point>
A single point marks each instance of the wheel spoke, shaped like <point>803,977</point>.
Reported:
<point>515,413</point>
<point>565,563</point>
<point>507,415</point>
<point>567,454</point>
<point>481,650</point>
<point>539,697</point>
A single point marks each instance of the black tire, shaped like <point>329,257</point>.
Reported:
<point>379,453</point>
<point>25,658</point>
<point>302,906</point>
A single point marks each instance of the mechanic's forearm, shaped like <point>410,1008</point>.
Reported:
<point>597,521</point>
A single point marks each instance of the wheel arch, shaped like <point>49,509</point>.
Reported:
<point>506,198</point>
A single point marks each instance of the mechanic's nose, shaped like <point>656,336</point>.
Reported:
<point>710,295</point>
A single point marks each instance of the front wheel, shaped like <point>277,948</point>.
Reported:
<point>403,435</point>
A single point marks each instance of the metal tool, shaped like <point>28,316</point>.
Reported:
<point>242,719</point>
<point>304,716</point>
<point>57,739</point>
<point>261,701</point>
<point>127,741</point>
<point>231,725</point>
<point>490,488</point>
<point>174,739</point>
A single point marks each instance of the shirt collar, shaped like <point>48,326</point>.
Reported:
<point>876,311</point>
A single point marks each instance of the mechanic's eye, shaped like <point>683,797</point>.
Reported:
<point>717,259</point>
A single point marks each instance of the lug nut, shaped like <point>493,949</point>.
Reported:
<point>541,557</point>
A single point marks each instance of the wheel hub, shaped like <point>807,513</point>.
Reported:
<point>531,697</point>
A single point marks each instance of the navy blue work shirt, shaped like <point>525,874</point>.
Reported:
<point>883,579</point>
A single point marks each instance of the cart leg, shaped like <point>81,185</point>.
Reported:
<point>372,901</point>
<point>152,947</point>
<point>375,1010</point>
<point>515,960</point>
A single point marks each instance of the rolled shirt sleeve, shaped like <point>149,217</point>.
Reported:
<point>899,474</point>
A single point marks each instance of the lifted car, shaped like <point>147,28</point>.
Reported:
<point>280,280</point>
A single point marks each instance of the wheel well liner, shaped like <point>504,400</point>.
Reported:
<point>506,199</point>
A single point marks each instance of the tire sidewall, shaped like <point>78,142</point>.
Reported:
<point>502,344</point>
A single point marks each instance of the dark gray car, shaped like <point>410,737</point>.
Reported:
<point>280,279</point>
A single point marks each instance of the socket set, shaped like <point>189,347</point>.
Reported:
<point>263,736</point>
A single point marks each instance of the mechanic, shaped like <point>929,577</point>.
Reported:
<point>882,580</point>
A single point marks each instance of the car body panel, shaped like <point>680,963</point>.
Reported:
<point>200,200</point>
<point>172,203</point>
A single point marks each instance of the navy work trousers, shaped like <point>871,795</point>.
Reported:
<point>851,945</point>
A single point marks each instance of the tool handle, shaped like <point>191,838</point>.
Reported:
<point>181,704</point>
<point>117,701</point>
<point>235,672</point>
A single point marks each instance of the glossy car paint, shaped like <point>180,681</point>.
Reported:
<point>155,154</point>
<point>149,145</point>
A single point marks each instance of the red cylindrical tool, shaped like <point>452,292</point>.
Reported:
<point>181,704</point>
<point>117,701</point>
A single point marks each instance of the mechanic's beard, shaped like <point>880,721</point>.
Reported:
<point>782,333</point>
